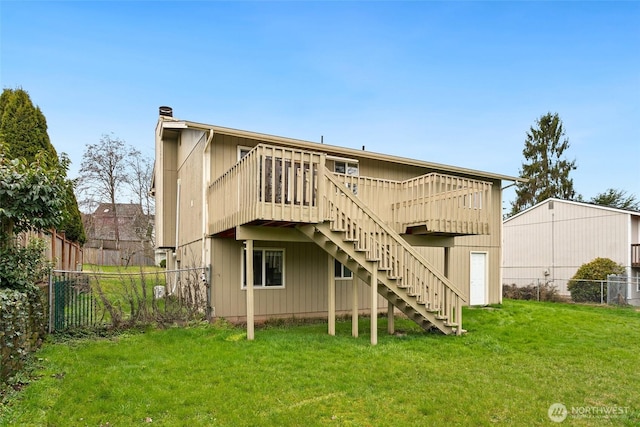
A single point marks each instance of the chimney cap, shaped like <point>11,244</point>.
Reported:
<point>166,111</point>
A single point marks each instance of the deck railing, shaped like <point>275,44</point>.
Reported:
<point>390,251</point>
<point>378,194</point>
<point>275,183</point>
<point>445,204</point>
<point>269,183</point>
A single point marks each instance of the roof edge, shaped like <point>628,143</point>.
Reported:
<point>316,146</point>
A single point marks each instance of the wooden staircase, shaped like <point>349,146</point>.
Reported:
<point>354,235</point>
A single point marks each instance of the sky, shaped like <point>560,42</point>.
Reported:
<point>452,82</point>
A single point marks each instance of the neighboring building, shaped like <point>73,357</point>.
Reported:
<point>551,240</point>
<point>319,223</point>
<point>127,244</point>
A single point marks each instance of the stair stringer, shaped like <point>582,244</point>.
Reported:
<point>334,243</point>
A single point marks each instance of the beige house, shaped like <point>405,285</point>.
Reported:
<point>296,228</point>
<point>549,242</point>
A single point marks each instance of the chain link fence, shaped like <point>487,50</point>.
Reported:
<point>615,290</point>
<point>79,299</point>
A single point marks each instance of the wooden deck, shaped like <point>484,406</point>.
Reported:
<point>287,185</point>
<point>358,220</point>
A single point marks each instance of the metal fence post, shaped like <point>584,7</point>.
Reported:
<point>50,302</point>
<point>602,292</point>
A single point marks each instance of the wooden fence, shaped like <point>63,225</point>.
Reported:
<point>63,253</point>
<point>118,257</point>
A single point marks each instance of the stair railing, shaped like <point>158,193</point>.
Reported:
<point>381,244</point>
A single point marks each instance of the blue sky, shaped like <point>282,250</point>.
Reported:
<point>449,82</point>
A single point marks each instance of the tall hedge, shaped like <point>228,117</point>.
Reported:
<point>22,328</point>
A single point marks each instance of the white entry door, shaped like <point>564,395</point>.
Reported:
<point>478,276</point>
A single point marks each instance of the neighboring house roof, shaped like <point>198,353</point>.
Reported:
<point>173,124</point>
<point>571,202</point>
<point>131,222</point>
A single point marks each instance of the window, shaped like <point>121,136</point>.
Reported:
<point>350,169</point>
<point>341,272</point>
<point>243,151</point>
<point>268,268</point>
<point>346,168</point>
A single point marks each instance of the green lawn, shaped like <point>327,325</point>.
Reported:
<point>515,361</point>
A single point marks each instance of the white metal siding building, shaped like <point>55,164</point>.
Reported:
<point>551,240</point>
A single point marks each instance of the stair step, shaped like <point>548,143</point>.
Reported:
<point>440,317</point>
<point>451,324</point>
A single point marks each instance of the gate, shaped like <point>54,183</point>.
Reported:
<point>71,302</point>
<point>617,287</point>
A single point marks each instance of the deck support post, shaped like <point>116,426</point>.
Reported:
<point>250,306</point>
<point>391,327</point>
<point>374,303</point>
<point>354,307</point>
<point>332,295</point>
<point>447,261</point>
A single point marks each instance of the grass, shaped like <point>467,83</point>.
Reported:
<point>515,361</point>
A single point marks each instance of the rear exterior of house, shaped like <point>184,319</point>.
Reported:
<point>551,240</point>
<point>321,224</point>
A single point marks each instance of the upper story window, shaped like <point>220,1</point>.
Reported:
<point>346,168</point>
<point>349,169</point>
<point>243,151</point>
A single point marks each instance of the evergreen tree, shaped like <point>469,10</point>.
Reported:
<point>23,135</point>
<point>545,166</point>
<point>23,128</point>
<point>619,199</point>
<point>72,221</point>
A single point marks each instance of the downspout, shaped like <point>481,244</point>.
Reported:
<point>206,242</point>
<point>628,269</point>
<point>206,173</point>
<point>175,284</point>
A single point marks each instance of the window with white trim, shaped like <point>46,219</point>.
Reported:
<point>341,272</point>
<point>346,168</point>
<point>243,151</point>
<point>349,169</point>
<point>268,268</point>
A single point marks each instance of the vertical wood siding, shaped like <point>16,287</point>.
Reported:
<point>305,290</point>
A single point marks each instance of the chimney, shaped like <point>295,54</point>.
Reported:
<point>166,111</point>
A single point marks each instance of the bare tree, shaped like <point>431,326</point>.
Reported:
<point>104,172</point>
<point>141,173</point>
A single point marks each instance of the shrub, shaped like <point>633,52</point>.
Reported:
<point>585,285</point>
<point>545,292</point>
<point>163,263</point>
